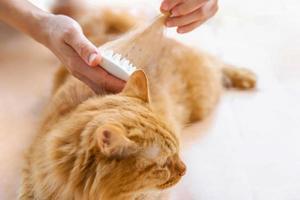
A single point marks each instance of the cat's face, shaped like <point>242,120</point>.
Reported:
<point>139,150</point>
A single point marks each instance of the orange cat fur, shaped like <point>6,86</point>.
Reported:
<point>123,146</point>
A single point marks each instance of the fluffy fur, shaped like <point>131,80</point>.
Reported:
<point>123,146</point>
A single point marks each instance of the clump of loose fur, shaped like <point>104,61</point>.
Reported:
<point>123,146</point>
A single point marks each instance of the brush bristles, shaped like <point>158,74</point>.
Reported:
<point>118,60</point>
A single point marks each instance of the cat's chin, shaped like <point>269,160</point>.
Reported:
<point>171,182</point>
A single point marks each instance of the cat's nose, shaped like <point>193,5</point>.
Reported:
<point>181,168</point>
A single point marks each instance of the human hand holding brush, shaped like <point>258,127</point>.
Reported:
<point>64,37</point>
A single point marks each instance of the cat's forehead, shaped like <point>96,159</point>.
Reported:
<point>145,126</point>
<point>160,137</point>
<point>160,142</point>
<point>152,151</point>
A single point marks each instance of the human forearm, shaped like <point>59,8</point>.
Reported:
<point>65,38</point>
<point>22,15</point>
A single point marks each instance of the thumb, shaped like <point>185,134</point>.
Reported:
<point>85,49</point>
<point>167,5</point>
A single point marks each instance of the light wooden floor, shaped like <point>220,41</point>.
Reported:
<point>250,147</point>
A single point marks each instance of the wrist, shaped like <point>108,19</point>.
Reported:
<point>37,28</point>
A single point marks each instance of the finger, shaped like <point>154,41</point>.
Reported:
<point>211,8</point>
<point>85,49</point>
<point>95,77</point>
<point>89,83</point>
<point>167,5</point>
<point>187,7</point>
<point>99,78</point>
<point>195,16</point>
<point>106,80</point>
<point>209,13</point>
<point>189,27</point>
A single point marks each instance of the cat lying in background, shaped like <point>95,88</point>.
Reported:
<point>123,146</point>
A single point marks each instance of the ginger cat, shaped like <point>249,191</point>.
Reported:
<point>123,146</point>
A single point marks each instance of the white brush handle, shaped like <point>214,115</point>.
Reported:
<point>116,65</point>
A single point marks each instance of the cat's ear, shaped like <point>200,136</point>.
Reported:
<point>137,86</point>
<point>113,142</point>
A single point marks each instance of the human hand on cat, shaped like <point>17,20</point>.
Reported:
<point>64,37</point>
<point>188,14</point>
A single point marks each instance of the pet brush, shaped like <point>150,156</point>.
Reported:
<point>116,64</point>
<point>137,49</point>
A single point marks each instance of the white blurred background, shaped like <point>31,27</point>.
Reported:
<point>248,150</point>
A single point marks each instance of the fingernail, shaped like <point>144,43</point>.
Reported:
<point>92,58</point>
